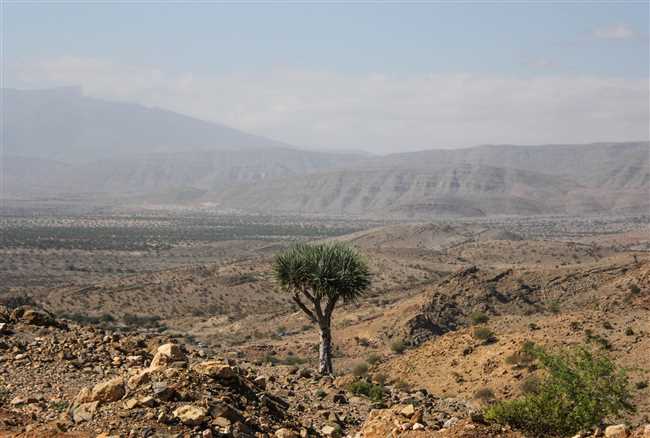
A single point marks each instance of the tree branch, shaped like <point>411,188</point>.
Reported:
<point>310,314</point>
<point>315,301</point>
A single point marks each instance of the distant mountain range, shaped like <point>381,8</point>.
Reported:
<point>59,142</point>
<point>487,180</point>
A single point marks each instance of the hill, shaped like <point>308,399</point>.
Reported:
<point>480,181</point>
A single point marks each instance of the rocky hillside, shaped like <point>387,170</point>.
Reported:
<point>62,380</point>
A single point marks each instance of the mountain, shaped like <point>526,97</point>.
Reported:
<point>481,181</point>
<point>62,124</point>
<point>59,141</point>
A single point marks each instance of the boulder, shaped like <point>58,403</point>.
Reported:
<point>215,369</point>
<point>166,355</point>
<point>37,317</point>
<point>331,431</point>
<point>617,431</point>
<point>139,378</point>
<point>84,412</point>
<point>408,411</point>
<point>286,433</point>
<point>109,391</point>
<point>191,415</point>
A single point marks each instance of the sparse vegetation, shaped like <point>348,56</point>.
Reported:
<point>373,391</point>
<point>373,359</point>
<point>479,318</point>
<point>360,369</point>
<point>485,395</point>
<point>398,347</point>
<point>484,334</point>
<point>581,389</point>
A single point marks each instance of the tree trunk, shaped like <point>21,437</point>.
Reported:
<point>325,363</point>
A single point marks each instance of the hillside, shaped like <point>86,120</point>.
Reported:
<point>481,181</point>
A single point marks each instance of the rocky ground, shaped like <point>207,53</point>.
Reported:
<point>63,379</point>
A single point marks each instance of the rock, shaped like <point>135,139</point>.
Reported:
<point>260,381</point>
<point>449,423</point>
<point>163,392</point>
<point>166,355</point>
<point>207,433</point>
<point>418,426</point>
<point>131,403</point>
<point>82,397</point>
<point>4,329</point>
<point>147,401</point>
<point>332,431</point>
<point>305,373</point>
<point>617,431</point>
<point>286,433</point>
<point>222,422</point>
<point>25,400</point>
<point>139,378</point>
<point>191,415</point>
<point>84,412</point>
<point>109,391</point>
<point>408,411</point>
<point>36,317</point>
<point>215,369</point>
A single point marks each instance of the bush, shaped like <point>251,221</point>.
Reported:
<point>373,359</point>
<point>484,334</point>
<point>523,357</point>
<point>360,369</point>
<point>581,389</point>
<point>484,394</point>
<point>634,289</point>
<point>554,307</point>
<point>402,385</point>
<point>370,390</point>
<point>398,347</point>
<point>479,318</point>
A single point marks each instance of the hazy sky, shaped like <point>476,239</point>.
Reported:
<point>380,77</point>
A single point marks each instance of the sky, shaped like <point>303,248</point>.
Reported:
<point>381,77</point>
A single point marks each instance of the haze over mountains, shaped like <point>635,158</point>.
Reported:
<point>61,142</point>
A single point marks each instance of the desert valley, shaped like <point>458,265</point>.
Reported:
<point>324,219</point>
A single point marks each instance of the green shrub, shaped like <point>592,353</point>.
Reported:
<point>581,388</point>
<point>372,391</point>
<point>398,347</point>
<point>484,334</point>
<point>373,359</point>
<point>634,289</point>
<point>554,307</point>
<point>479,318</point>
